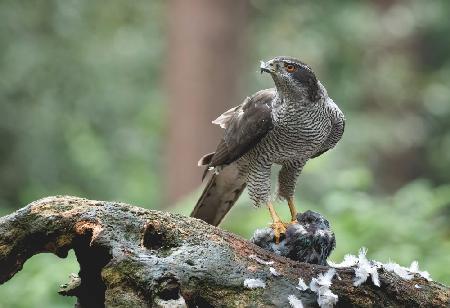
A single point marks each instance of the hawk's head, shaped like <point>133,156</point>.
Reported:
<point>292,77</point>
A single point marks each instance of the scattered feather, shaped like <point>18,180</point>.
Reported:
<point>323,280</point>
<point>302,285</point>
<point>365,269</point>
<point>274,271</point>
<point>417,286</point>
<point>295,302</point>
<point>401,271</point>
<point>328,299</point>
<point>405,272</point>
<point>251,283</point>
<point>414,268</point>
<point>259,260</point>
<point>349,261</point>
<point>321,286</point>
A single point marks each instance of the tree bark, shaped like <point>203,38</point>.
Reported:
<point>133,257</point>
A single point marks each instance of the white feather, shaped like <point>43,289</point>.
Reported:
<point>295,302</point>
<point>302,285</point>
<point>405,272</point>
<point>349,261</point>
<point>251,283</point>
<point>328,299</point>
<point>321,286</point>
<point>259,260</point>
<point>401,271</point>
<point>414,268</point>
<point>274,272</point>
<point>322,280</point>
<point>365,269</point>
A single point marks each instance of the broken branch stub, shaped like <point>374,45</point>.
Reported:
<point>132,257</point>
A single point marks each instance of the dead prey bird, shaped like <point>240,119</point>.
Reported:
<point>285,125</point>
<point>309,240</point>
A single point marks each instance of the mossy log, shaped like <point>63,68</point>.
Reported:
<point>133,257</point>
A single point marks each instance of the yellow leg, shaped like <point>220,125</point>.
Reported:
<point>277,225</point>
<point>292,209</point>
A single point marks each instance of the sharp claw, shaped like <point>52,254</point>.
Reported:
<point>278,229</point>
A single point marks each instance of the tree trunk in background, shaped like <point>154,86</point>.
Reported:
<point>205,55</point>
<point>394,169</point>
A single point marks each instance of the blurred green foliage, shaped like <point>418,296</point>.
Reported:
<point>38,282</point>
<point>81,106</point>
<point>82,113</point>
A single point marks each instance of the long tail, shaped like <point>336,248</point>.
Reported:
<point>219,195</point>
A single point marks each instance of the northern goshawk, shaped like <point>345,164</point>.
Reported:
<point>285,125</point>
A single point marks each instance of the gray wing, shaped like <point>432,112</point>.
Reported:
<point>245,125</point>
<point>337,130</point>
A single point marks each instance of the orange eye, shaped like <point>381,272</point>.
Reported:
<point>290,68</point>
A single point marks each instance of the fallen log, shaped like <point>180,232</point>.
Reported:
<point>133,257</point>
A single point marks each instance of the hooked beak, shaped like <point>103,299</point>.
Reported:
<point>267,67</point>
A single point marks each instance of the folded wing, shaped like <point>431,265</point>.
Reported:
<point>245,125</point>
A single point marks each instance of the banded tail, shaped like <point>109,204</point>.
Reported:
<point>220,193</point>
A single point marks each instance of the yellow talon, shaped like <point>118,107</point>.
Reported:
<point>278,229</point>
<point>277,225</point>
<point>293,210</point>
